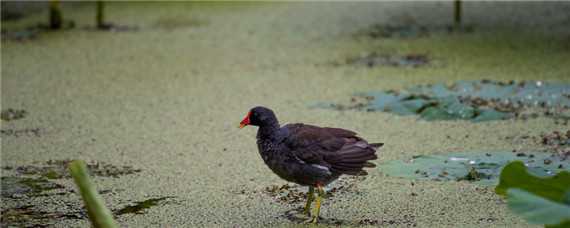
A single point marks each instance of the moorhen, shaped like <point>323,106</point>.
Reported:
<point>309,155</point>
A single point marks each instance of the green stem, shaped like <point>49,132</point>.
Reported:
<point>55,15</point>
<point>99,215</point>
<point>100,15</point>
<point>457,18</point>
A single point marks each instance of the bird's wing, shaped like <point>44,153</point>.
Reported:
<point>335,148</point>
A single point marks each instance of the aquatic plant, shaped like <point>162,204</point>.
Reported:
<point>477,101</point>
<point>539,200</point>
<point>478,167</point>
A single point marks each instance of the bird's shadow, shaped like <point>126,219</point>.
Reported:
<point>296,215</point>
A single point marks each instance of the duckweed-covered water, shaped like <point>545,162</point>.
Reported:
<point>165,99</point>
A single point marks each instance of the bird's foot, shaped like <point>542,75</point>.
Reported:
<point>315,217</point>
<point>312,220</point>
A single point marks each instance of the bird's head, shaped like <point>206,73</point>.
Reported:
<point>258,116</point>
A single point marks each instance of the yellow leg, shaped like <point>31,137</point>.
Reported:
<point>318,201</point>
<point>310,198</point>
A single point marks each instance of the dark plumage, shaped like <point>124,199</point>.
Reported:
<point>309,155</point>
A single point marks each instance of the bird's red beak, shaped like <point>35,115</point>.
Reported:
<point>245,121</point>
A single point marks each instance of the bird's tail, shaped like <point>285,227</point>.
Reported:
<point>376,145</point>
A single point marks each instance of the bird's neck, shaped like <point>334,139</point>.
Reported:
<point>268,131</point>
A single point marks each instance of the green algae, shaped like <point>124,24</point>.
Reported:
<point>13,114</point>
<point>30,216</point>
<point>140,206</point>
<point>409,31</point>
<point>26,132</point>
<point>171,22</point>
<point>374,59</point>
<point>13,187</point>
<point>33,179</point>
<point>57,169</point>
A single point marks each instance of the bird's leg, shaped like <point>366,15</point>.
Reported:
<point>318,201</point>
<point>310,198</point>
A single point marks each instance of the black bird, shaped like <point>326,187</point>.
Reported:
<point>309,155</point>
